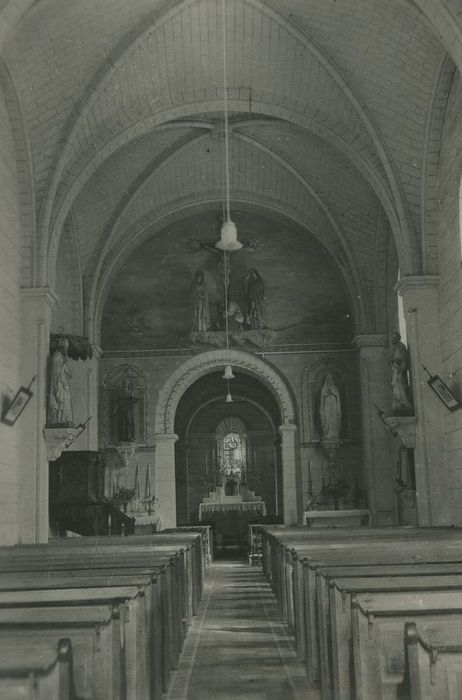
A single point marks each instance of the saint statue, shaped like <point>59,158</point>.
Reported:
<point>399,364</point>
<point>330,410</point>
<point>201,319</point>
<point>124,411</point>
<point>60,403</point>
<point>255,298</point>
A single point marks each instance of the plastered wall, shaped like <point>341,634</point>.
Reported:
<point>450,273</point>
<point>10,329</point>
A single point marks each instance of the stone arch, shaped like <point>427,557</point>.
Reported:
<point>202,364</point>
<point>25,177</point>
<point>169,397</point>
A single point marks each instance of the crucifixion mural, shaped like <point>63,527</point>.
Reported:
<point>251,317</point>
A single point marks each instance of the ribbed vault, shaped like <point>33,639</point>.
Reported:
<point>336,119</point>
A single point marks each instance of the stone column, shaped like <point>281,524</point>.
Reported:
<point>165,477</point>
<point>421,306</point>
<point>289,473</point>
<point>36,310</point>
<point>378,462</point>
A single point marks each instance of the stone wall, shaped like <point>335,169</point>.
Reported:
<point>300,370</point>
<point>10,329</point>
<point>450,259</point>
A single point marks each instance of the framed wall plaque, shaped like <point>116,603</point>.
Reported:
<point>17,406</point>
<point>442,391</point>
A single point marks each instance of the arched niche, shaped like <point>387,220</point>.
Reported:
<point>121,384</point>
<point>313,385</point>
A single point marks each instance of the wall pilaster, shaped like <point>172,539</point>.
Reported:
<point>421,306</point>
<point>377,449</point>
<point>289,473</point>
<point>165,477</point>
<point>36,311</point>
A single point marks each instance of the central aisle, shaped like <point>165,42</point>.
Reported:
<point>237,646</point>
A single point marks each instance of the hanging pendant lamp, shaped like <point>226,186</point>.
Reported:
<point>228,241</point>
<point>228,372</point>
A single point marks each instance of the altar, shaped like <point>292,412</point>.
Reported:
<point>252,509</point>
<point>231,507</point>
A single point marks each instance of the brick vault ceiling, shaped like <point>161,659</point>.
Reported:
<point>330,109</point>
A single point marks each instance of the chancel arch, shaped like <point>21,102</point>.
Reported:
<point>282,423</point>
<point>229,455</point>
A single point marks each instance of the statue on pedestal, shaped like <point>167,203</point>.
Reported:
<point>60,400</point>
<point>124,411</point>
<point>330,411</point>
<point>399,364</point>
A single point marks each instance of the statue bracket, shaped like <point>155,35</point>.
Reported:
<point>126,451</point>
<point>404,427</point>
<point>331,447</point>
<point>57,439</point>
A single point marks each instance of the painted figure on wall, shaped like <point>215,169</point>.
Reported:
<point>201,319</point>
<point>399,364</point>
<point>60,400</point>
<point>255,300</point>
<point>330,410</point>
<point>125,413</point>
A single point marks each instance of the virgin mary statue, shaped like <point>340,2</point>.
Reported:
<point>330,410</point>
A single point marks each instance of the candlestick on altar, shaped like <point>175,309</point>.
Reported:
<point>147,484</point>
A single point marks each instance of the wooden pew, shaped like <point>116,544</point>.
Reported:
<point>143,556</point>
<point>313,553</point>
<point>189,544</point>
<point>128,639</point>
<point>278,542</point>
<point>206,534</point>
<point>163,643</point>
<point>37,670</point>
<point>334,622</point>
<point>115,558</point>
<point>150,583</point>
<point>378,621</point>
<point>306,561</point>
<point>95,634</point>
<point>434,668</point>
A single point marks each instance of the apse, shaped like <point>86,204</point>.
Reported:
<point>212,433</point>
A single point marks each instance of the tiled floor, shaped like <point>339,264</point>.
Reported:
<point>237,646</point>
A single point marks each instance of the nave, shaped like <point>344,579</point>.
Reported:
<point>337,614</point>
<point>238,646</point>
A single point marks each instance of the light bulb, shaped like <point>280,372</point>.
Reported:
<point>229,398</point>
<point>228,240</point>
<point>228,372</point>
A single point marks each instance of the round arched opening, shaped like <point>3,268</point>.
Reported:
<point>228,455</point>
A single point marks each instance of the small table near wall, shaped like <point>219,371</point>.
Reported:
<point>336,518</point>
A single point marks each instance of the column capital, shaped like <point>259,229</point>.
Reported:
<point>370,340</point>
<point>410,283</point>
<point>166,437</point>
<point>39,295</point>
<point>287,428</point>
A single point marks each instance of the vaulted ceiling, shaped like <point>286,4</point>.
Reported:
<point>335,111</point>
